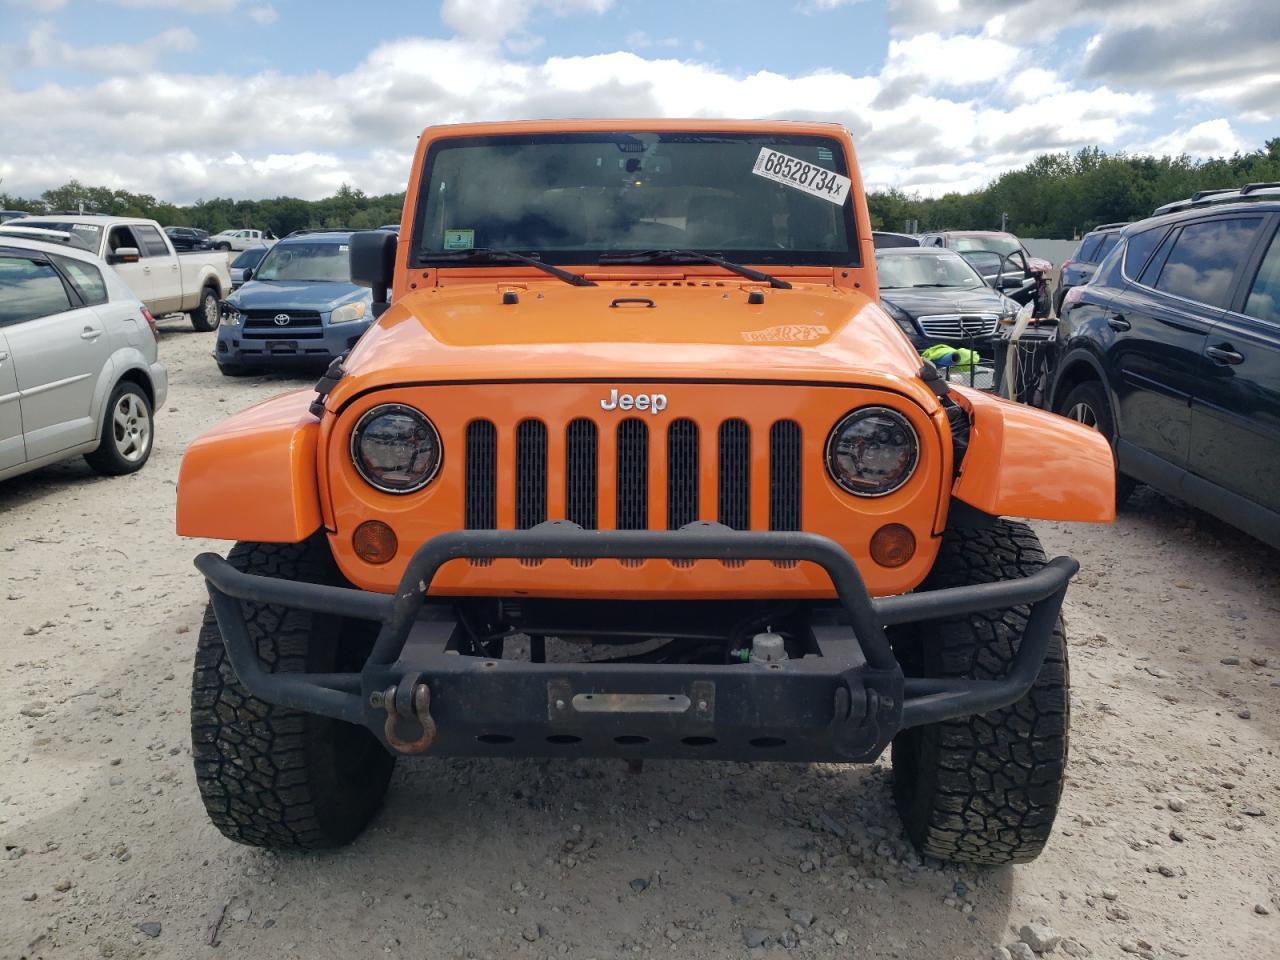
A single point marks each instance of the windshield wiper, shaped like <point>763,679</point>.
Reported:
<point>490,255</point>
<point>692,256</point>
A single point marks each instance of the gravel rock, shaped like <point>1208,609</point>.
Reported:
<point>1074,948</point>
<point>1001,953</point>
<point>1258,661</point>
<point>1252,810</point>
<point>695,814</point>
<point>241,914</point>
<point>754,936</point>
<point>1117,912</point>
<point>62,886</point>
<point>1261,909</point>
<point>1110,893</point>
<point>1230,661</point>
<point>639,884</point>
<point>150,928</point>
<point>1039,937</point>
<point>674,934</point>
<point>532,933</point>
<point>803,917</point>
<point>1138,946</point>
<point>1020,951</point>
<point>30,896</point>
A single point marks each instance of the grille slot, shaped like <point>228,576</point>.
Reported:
<point>480,510</point>
<point>784,475</point>
<point>682,473</point>
<point>531,474</point>
<point>633,475</point>
<point>580,455</point>
<point>735,475</point>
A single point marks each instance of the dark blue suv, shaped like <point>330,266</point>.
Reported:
<point>297,308</point>
<point>1173,351</point>
<point>1080,266</point>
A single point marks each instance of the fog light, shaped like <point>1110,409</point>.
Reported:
<point>374,542</point>
<point>893,545</point>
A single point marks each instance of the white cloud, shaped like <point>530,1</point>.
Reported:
<point>264,15</point>
<point>186,6</point>
<point>1212,138</point>
<point>958,60</point>
<point>494,20</point>
<point>42,49</point>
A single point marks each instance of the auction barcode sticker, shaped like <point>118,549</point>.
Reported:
<point>814,180</point>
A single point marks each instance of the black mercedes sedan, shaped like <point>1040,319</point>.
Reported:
<point>937,297</point>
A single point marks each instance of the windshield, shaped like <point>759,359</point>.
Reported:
<point>569,198</point>
<point>1001,245</point>
<point>313,262</point>
<point>249,258</point>
<point>89,234</point>
<point>944,270</point>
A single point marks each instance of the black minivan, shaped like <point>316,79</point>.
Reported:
<point>1173,352</point>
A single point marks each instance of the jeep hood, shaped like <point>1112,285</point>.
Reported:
<point>693,331</point>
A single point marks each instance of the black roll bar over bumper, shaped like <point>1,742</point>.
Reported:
<point>843,702</point>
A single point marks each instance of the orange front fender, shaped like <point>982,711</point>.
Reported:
<point>253,476</point>
<point>1024,462</point>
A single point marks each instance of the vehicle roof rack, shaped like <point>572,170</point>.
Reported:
<point>1111,226</point>
<point>1205,198</point>
<point>70,213</point>
<point>297,233</point>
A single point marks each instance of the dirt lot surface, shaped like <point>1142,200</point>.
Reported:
<point>1168,843</point>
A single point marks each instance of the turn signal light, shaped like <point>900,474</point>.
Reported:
<point>374,542</point>
<point>893,545</point>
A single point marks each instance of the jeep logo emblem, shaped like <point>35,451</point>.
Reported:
<point>653,402</point>
<point>281,319</point>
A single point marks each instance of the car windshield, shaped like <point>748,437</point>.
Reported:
<point>923,270</point>
<point>570,198</point>
<point>88,234</point>
<point>249,258</point>
<point>997,244</point>
<point>312,262</point>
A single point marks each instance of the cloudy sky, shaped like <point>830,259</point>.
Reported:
<point>249,98</point>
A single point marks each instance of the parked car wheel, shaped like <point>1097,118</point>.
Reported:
<point>271,776</point>
<point>127,432</point>
<point>1086,403</point>
<point>208,313</point>
<point>222,245</point>
<point>983,789</point>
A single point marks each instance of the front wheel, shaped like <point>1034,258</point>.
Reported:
<point>983,789</point>
<point>127,432</point>
<point>208,313</point>
<point>271,776</point>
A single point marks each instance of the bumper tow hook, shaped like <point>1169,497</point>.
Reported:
<point>418,711</point>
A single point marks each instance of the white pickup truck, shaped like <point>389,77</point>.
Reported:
<point>167,282</point>
<point>241,240</point>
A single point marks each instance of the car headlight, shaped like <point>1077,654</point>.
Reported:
<point>230,315</point>
<point>901,318</point>
<point>347,312</point>
<point>872,452</point>
<point>395,448</point>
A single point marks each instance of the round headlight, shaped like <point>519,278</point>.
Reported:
<point>395,448</point>
<point>872,452</point>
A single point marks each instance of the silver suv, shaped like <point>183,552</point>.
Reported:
<point>79,372</point>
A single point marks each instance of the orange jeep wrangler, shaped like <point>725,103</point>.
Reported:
<point>633,465</point>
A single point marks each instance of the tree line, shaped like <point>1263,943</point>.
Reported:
<point>1057,195</point>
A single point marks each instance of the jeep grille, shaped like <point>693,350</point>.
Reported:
<point>631,474</point>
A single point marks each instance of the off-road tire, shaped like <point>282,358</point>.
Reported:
<point>1090,396</point>
<point>983,789</point>
<point>128,432</point>
<point>207,314</point>
<point>275,777</point>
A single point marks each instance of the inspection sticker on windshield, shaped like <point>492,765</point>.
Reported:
<point>818,181</point>
<point>459,239</point>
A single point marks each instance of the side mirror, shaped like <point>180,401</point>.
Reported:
<point>373,264</point>
<point>124,255</point>
<point>246,274</point>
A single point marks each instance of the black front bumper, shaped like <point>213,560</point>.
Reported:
<point>843,702</point>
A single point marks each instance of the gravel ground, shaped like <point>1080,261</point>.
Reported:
<point>1166,845</point>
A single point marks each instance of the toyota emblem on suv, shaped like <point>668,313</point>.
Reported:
<point>281,319</point>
